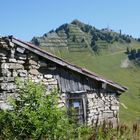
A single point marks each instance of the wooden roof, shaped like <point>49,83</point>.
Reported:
<point>63,63</point>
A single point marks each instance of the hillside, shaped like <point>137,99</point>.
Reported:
<point>102,51</point>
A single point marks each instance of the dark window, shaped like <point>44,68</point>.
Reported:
<point>77,108</point>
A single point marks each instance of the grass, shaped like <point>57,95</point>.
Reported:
<point>108,64</point>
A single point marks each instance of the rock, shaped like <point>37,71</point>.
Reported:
<point>5,106</point>
<point>21,56</point>
<point>33,72</point>
<point>53,83</point>
<point>107,108</point>
<point>114,102</point>
<point>90,95</point>
<point>48,76</point>
<point>33,62</point>
<point>3,58</point>
<point>101,103</point>
<point>3,96</point>
<point>40,76</point>
<point>12,66</point>
<point>12,60</point>
<point>14,74</point>
<point>22,73</point>
<point>5,72</point>
<point>4,66</point>
<point>1,79</point>
<point>11,44</point>
<point>20,49</point>
<point>20,61</point>
<point>60,105</point>
<point>114,107</point>
<point>32,67</point>
<point>12,52</point>
<point>7,79</point>
<point>2,61</point>
<point>108,114</point>
<point>7,86</point>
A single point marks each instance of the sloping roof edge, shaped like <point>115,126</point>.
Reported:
<point>66,64</point>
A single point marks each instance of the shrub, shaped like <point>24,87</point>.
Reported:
<point>34,114</point>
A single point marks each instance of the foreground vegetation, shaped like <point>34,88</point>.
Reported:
<point>34,116</point>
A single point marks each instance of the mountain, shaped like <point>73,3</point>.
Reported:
<point>80,36</point>
<point>103,51</point>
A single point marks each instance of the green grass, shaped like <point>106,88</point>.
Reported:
<point>108,64</point>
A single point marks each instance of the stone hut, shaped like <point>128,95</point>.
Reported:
<point>94,98</point>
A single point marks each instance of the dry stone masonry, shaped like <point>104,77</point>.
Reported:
<point>98,103</point>
<point>103,107</point>
<point>16,62</point>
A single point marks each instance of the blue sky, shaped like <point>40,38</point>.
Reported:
<point>27,18</point>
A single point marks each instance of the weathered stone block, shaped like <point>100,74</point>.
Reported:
<point>3,58</point>
<point>12,60</point>
<point>5,72</point>
<point>107,107</point>
<point>7,79</point>
<point>22,73</point>
<point>114,102</point>
<point>40,76</point>
<point>31,66</point>
<point>33,72</point>
<point>12,54</point>
<point>53,83</point>
<point>5,106</point>
<point>14,73</point>
<point>12,66</point>
<point>90,104</point>
<point>20,61</point>
<point>32,62</point>
<point>108,114</point>
<point>48,76</point>
<point>89,96</point>
<point>11,44</point>
<point>20,49</point>
<point>114,107</point>
<point>7,86</point>
<point>21,56</point>
<point>2,61</point>
<point>101,103</point>
<point>60,105</point>
<point>3,96</point>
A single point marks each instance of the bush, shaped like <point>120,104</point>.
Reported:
<point>34,114</point>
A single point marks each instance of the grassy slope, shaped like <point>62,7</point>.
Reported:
<point>108,65</point>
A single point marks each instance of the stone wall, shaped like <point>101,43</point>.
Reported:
<point>102,107</point>
<point>18,62</point>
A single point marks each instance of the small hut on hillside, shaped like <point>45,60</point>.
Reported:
<point>94,98</point>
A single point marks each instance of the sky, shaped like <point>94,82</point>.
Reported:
<point>27,18</point>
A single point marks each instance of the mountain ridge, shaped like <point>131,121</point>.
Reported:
<point>78,34</point>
